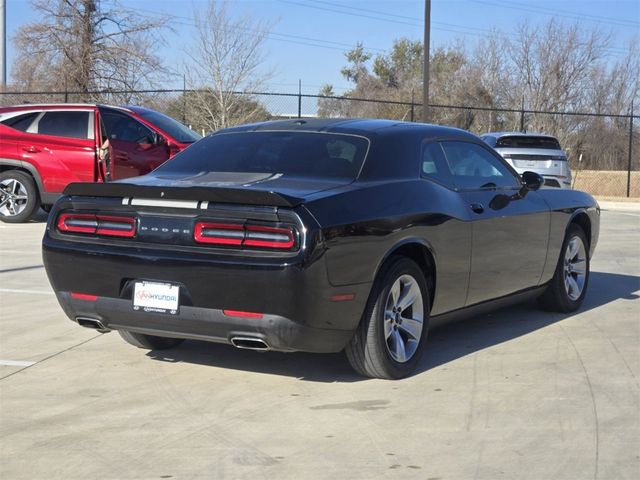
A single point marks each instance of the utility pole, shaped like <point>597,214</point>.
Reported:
<point>3,45</point>
<point>425,70</point>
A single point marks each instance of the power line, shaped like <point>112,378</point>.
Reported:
<point>381,16</point>
<point>560,13</point>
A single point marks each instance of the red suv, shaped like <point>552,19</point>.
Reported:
<point>45,147</point>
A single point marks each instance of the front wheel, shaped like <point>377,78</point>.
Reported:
<point>567,288</point>
<point>18,196</point>
<point>149,342</point>
<point>391,335</point>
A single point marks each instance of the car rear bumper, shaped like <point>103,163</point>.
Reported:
<point>298,308</point>
<point>212,325</point>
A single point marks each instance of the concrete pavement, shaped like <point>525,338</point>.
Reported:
<point>519,393</point>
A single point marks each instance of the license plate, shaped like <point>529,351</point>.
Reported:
<point>156,297</point>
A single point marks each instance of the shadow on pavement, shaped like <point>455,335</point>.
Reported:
<point>445,344</point>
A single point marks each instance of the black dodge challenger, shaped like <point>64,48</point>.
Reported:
<point>318,236</point>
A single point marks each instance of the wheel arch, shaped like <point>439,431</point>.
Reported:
<point>581,218</point>
<point>25,167</point>
<point>418,250</point>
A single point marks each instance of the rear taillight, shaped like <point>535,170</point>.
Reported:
<point>112,226</point>
<point>243,235</point>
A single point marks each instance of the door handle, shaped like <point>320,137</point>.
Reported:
<point>477,207</point>
<point>31,149</point>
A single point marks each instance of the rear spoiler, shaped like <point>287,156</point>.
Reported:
<point>244,196</point>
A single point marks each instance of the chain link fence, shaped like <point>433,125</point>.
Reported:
<point>603,149</point>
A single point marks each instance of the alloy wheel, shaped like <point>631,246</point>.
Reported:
<point>403,318</point>
<point>575,267</point>
<point>13,197</point>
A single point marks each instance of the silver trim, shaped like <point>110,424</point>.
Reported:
<point>154,202</point>
<point>260,344</point>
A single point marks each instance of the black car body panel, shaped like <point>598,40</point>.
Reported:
<point>481,244</point>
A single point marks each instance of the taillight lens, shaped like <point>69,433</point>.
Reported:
<point>219,233</point>
<point>112,226</point>
<point>243,235</point>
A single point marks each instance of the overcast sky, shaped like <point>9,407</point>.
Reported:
<point>309,37</point>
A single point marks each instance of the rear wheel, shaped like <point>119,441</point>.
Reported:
<point>149,342</point>
<point>567,288</point>
<point>390,338</point>
<point>18,196</point>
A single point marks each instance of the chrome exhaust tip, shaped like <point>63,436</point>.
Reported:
<point>250,343</point>
<point>92,323</point>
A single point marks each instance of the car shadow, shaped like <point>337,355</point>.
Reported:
<point>445,344</point>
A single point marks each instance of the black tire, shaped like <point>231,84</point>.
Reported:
<point>149,342</point>
<point>369,352</point>
<point>556,297</point>
<point>32,201</point>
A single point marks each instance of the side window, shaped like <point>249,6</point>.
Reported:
<point>472,166</point>
<point>122,127</point>
<point>21,122</point>
<point>65,124</point>
<point>434,165</point>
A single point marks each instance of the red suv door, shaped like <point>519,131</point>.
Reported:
<point>134,149</point>
<point>61,144</point>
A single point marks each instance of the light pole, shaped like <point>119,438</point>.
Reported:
<point>425,70</point>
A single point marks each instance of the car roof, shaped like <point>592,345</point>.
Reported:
<point>516,134</point>
<point>354,126</point>
<point>58,106</point>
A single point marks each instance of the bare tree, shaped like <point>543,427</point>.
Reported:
<point>86,45</point>
<point>227,59</point>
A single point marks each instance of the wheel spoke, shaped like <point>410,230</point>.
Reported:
<point>411,327</point>
<point>579,267</point>
<point>20,197</point>
<point>4,201</point>
<point>401,354</point>
<point>574,289</point>
<point>16,187</point>
<point>395,292</point>
<point>409,294</point>
<point>573,248</point>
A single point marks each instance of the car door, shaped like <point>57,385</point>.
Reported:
<point>134,149</point>
<point>510,226</point>
<point>61,144</point>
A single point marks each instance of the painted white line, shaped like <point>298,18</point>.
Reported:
<point>16,363</point>
<point>35,292</point>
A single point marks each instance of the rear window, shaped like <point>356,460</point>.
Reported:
<point>287,153</point>
<point>65,124</point>
<point>548,143</point>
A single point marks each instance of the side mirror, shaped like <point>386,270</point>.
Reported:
<point>532,180</point>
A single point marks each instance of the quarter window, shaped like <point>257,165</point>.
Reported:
<point>434,165</point>
<point>473,167</point>
<point>65,124</point>
<point>21,122</point>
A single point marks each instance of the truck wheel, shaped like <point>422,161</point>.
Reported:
<point>19,197</point>
<point>391,336</point>
<point>149,342</point>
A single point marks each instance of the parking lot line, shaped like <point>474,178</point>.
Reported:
<point>15,363</point>
<point>35,292</point>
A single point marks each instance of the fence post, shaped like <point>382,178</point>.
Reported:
<point>630,152</point>
<point>299,98</point>
<point>412,93</point>
<point>184,99</point>
<point>522,115</point>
